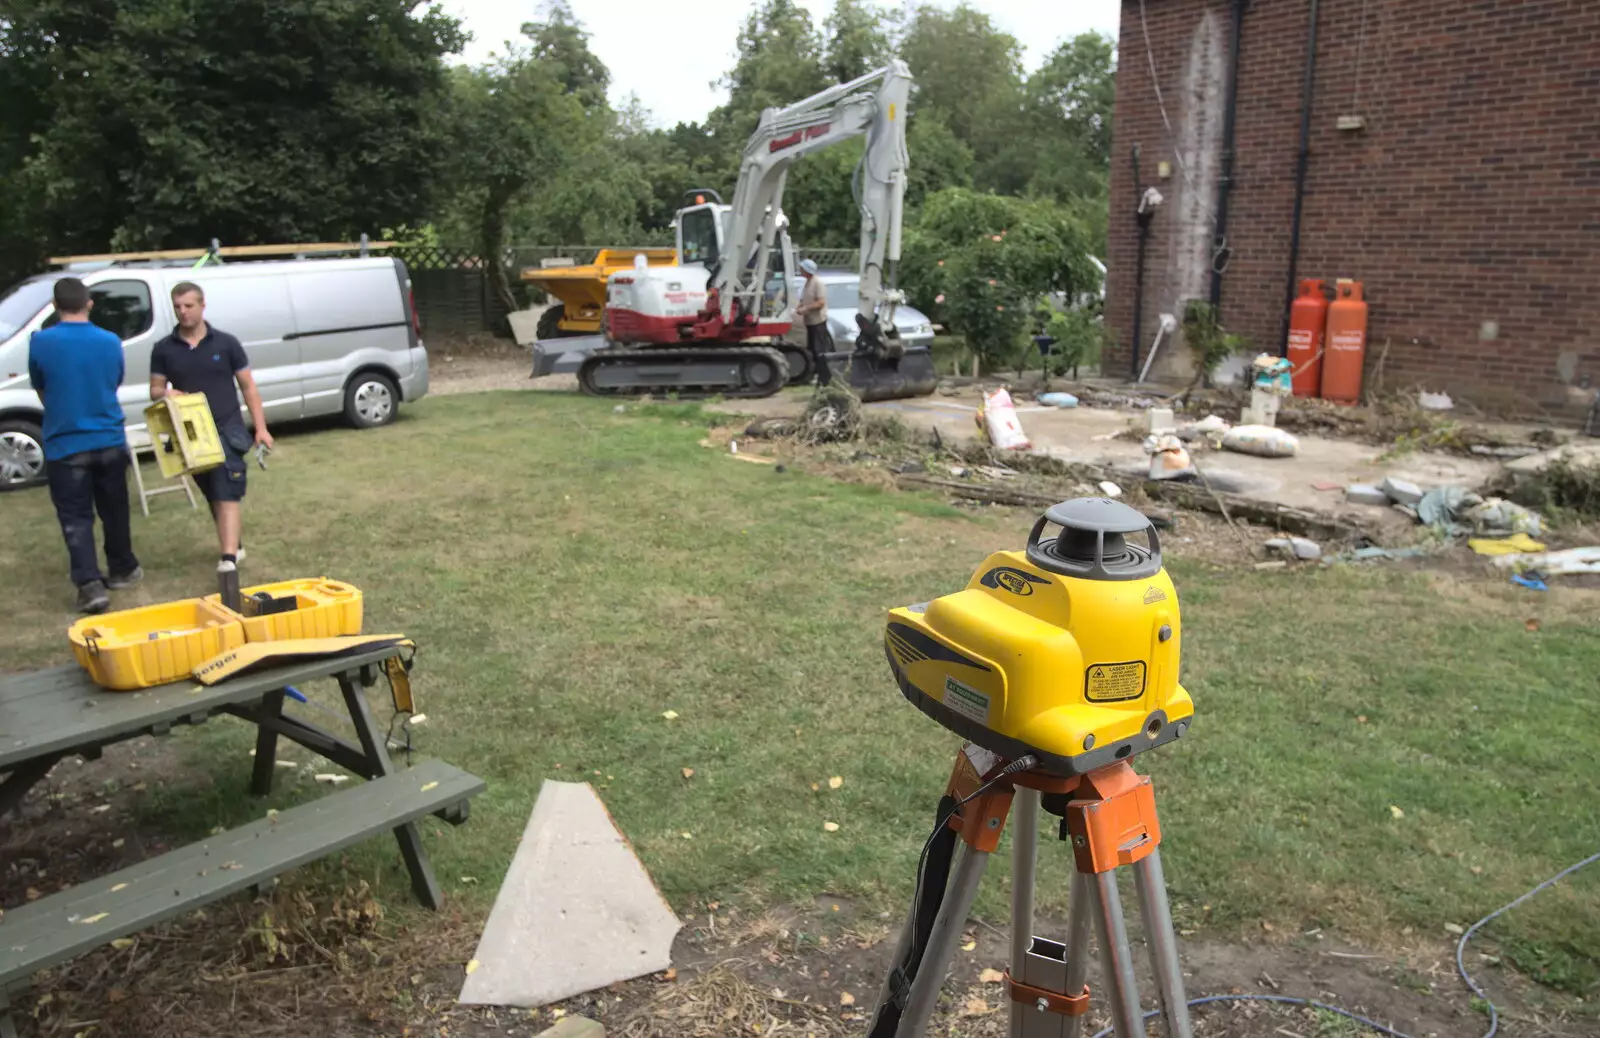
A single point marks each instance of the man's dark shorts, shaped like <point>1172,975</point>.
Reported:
<point>226,482</point>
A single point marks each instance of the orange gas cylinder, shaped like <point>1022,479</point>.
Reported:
<point>1307,318</point>
<point>1347,344</point>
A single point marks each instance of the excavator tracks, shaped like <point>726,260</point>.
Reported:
<point>735,371</point>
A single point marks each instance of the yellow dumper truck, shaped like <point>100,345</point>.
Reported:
<point>580,290</point>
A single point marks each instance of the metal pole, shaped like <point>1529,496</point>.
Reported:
<point>1151,884</point>
<point>1024,865</point>
<point>1024,870</point>
<point>1117,957</point>
<point>947,927</point>
<point>1079,912</point>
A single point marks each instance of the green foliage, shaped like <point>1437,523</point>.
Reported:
<point>857,40</point>
<point>1080,338</point>
<point>150,123</point>
<point>980,263</point>
<point>1211,343</point>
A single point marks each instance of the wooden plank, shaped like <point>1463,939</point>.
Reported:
<point>60,927</point>
<point>227,250</point>
<point>78,713</point>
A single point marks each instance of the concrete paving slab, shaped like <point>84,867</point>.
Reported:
<point>1082,434</point>
<point>577,911</point>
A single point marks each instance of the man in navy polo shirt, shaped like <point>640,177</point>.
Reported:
<point>197,358</point>
<point>76,367</point>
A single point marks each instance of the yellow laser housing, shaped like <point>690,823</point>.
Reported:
<point>1067,650</point>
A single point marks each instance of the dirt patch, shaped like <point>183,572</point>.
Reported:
<point>479,365</point>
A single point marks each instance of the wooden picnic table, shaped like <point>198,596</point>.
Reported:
<point>51,714</point>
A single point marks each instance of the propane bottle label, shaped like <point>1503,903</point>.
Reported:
<point>1300,337</point>
<point>1346,340</point>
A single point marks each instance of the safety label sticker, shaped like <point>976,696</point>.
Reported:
<point>966,700</point>
<point>1113,682</point>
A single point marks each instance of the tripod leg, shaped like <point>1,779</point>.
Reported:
<point>1024,871</point>
<point>963,890</point>
<point>1080,914</point>
<point>1152,886</point>
<point>1024,865</point>
<point>1118,958</point>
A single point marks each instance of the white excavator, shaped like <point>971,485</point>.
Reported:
<point>718,319</point>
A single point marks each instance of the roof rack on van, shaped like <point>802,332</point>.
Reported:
<point>217,252</point>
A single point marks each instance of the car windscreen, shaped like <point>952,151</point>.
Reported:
<point>22,304</point>
<point>842,295</point>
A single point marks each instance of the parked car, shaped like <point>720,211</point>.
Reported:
<point>324,336</point>
<point>841,288</point>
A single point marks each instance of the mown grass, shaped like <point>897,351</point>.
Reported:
<point>571,574</point>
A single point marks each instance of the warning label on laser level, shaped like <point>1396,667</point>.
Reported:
<point>1113,682</point>
<point>966,700</point>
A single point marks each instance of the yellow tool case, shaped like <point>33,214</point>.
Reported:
<point>184,434</point>
<point>309,608</point>
<point>152,645</point>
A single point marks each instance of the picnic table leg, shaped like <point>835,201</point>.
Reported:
<point>266,746</point>
<point>8,1029</point>
<point>410,840</point>
<point>23,778</point>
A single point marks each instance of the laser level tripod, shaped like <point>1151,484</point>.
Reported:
<point>1110,817</point>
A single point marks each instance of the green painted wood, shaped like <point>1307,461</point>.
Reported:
<point>60,927</point>
<point>61,709</point>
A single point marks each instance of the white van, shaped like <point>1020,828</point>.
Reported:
<point>323,336</point>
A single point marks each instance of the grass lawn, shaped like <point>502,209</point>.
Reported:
<point>1374,750</point>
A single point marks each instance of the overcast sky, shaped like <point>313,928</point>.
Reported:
<point>669,51</point>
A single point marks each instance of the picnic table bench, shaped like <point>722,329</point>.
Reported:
<point>51,714</point>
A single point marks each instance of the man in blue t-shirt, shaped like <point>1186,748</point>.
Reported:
<point>76,367</point>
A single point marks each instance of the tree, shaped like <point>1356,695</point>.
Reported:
<point>515,126</point>
<point>857,40</point>
<point>1069,105</point>
<point>151,123</point>
<point>969,74</point>
<point>1075,89</point>
<point>981,262</point>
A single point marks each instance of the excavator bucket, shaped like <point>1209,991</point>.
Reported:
<point>892,378</point>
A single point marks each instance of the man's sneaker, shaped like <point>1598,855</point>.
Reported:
<point>92,598</point>
<point>126,580</point>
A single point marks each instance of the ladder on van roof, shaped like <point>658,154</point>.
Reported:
<point>217,252</point>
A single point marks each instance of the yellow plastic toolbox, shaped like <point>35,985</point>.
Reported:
<point>184,434</point>
<point>152,645</point>
<point>311,608</point>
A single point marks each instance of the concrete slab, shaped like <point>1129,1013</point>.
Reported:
<point>577,911</point>
<point>1083,434</point>
<point>1581,455</point>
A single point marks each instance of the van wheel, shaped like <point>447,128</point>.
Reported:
<point>21,455</point>
<point>370,400</point>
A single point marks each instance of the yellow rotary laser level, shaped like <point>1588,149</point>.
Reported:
<point>1067,650</point>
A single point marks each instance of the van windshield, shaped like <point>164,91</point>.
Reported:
<point>23,303</point>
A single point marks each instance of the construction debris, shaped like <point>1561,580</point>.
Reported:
<point>1555,563</point>
<point>1299,547</point>
<point>1264,441</point>
<point>1401,492</point>
<point>997,420</point>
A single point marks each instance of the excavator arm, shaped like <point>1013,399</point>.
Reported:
<point>754,221</point>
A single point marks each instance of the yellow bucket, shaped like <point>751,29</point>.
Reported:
<point>309,608</point>
<point>152,645</point>
<point>184,434</point>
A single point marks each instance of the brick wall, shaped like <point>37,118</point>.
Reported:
<point>1469,205</point>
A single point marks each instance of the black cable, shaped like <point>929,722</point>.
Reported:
<point>1022,763</point>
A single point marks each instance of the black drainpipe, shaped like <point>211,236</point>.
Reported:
<point>1143,215</point>
<point>1220,249</point>
<point>1307,91</point>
